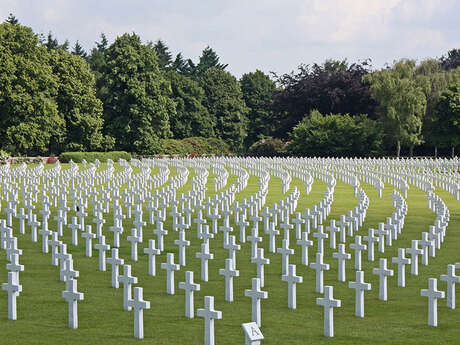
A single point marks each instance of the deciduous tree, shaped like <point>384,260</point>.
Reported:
<point>137,106</point>
<point>402,103</point>
<point>225,103</point>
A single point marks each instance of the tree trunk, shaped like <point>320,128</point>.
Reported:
<point>398,148</point>
<point>453,151</point>
<point>411,150</point>
<point>435,152</point>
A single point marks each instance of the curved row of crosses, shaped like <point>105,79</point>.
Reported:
<point>146,195</point>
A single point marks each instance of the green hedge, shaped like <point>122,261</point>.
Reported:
<point>78,157</point>
<point>268,147</point>
<point>194,146</point>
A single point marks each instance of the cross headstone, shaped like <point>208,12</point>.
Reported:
<point>320,236</point>
<point>328,302</point>
<point>360,286</point>
<point>433,294</point>
<point>272,233</point>
<point>204,256</point>
<point>44,232</point>
<point>102,247</point>
<point>189,286</point>
<point>34,224</point>
<point>117,230</point>
<point>451,279</point>
<point>260,261</point>
<point>401,261</point>
<point>209,315</point>
<point>22,217</point>
<point>115,261</point>
<point>304,242</point>
<point>414,252</point>
<point>151,251</point>
<point>254,239</point>
<point>382,232</point>
<point>341,256</point>
<point>358,247</point>
<point>292,279</point>
<point>332,230</point>
<point>229,272</point>
<point>88,236</point>
<point>170,267</point>
<point>138,304</point>
<point>13,288</point>
<point>127,280</point>
<point>160,232</point>
<point>134,239</point>
<point>298,221</point>
<point>370,239</point>
<point>343,230</point>
<point>54,243</point>
<point>75,227</point>
<point>285,251</point>
<point>72,296</point>
<point>256,295</point>
<point>319,267</point>
<point>14,266</point>
<point>182,243</point>
<point>383,272</point>
<point>67,272</point>
<point>426,244</point>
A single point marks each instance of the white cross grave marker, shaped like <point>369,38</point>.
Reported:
<point>127,280</point>
<point>209,315</point>
<point>292,279</point>
<point>170,267</point>
<point>229,272</point>
<point>72,296</point>
<point>433,294</point>
<point>383,272</point>
<point>401,261</point>
<point>189,286</point>
<point>451,279</point>
<point>138,304</point>
<point>328,302</point>
<point>256,295</point>
<point>13,288</point>
<point>360,286</point>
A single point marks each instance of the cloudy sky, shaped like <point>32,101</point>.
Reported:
<point>270,35</point>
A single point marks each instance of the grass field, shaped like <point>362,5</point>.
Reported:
<point>42,312</point>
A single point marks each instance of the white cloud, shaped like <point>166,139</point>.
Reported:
<point>266,34</point>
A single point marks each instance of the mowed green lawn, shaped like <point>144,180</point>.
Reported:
<point>42,312</point>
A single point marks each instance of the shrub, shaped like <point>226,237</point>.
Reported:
<point>194,146</point>
<point>268,147</point>
<point>78,157</point>
<point>336,135</point>
<point>216,146</point>
<point>51,160</point>
<point>4,156</point>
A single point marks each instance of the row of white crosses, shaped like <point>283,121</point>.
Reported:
<point>230,269</point>
<point>81,214</point>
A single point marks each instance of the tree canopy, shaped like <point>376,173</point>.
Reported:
<point>137,105</point>
<point>402,102</point>
<point>191,117</point>
<point>336,135</point>
<point>136,96</point>
<point>258,90</point>
<point>225,103</point>
<point>333,87</point>
<point>447,124</point>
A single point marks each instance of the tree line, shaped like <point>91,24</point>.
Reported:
<point>134,96</point>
